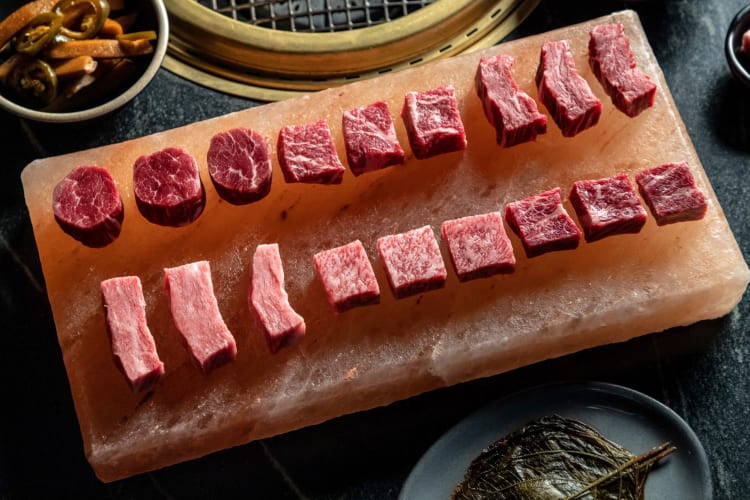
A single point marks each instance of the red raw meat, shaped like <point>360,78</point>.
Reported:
<point>511,111</point>
<point>607,206</point>
<point>614,65</point>
<point>479,246</point>
<point>307,154</point>
<point>197,317</point>
<point>347,276</point>
<point>433,123</point>
<point>745,48</point>
<point>132,344</point>
<point>412,262</point>
<point>268,298</point>
<point>168,188</point>
<point>564,92</point>
<point>542,223</point>
<point>239,163</point>
<point>88,207</point>
<point>671,193</point>
<point>370,138</point>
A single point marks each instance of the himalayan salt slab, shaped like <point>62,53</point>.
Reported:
<point>551,305</point>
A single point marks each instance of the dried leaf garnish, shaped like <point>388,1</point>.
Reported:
<point>558,458</point>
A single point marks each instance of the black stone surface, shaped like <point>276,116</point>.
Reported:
<point>702,371</point>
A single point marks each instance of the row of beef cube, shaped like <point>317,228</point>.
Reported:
<point>478,246</point>
<point>168,188</point>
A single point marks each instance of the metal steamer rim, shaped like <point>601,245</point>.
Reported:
<point>275,49</point>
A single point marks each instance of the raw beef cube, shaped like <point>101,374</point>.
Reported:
<point>88,207</point>
<point>168,187</point>
<point>671,193</point>
<point>614,65</point>
<point>511,111</point>
<point>347,276</point>
<point>268,298</point>
<point>197,317</point>
<point>412,262</point>
<point>239,163</point>
<point>370,138</point>
<point>132,344</point>
<point>479,246</point>
<point>542,223</point>
<point>433,122</point>
<point>564,92</point>
<point>607,206</point>
<point>307,154</point>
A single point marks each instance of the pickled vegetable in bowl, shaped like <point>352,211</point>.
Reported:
<point>70,60</point>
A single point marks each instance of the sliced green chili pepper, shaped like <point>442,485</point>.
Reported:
<point>90,23</point>
<point>35,81</point>
<point>38,33</point>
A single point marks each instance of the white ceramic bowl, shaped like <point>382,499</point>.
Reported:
<point>154,12</point>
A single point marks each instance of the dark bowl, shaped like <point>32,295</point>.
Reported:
<point>739,63</point>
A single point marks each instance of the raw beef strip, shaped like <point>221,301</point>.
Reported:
<point>614,65</point>
<point>268,298</point>
<point>607,206</point>
<point>671,193</point>
<point>132,344</point>
<point>347,276</point>
<point>479,246</point>
<point>307,154</point>
<point>412,262</point>
<point>88,207</point>
<point>433,123</point>
<point>168,188</point>
<point>197,317</point>
<point>511,111</point>
<point>564,92</point>
<point>370,138</point>
<point>239,163</point>
<point>542,223</point>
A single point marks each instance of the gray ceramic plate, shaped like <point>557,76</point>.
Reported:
<point>623,415</point>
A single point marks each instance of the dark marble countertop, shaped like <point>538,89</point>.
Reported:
<point>702,371</point>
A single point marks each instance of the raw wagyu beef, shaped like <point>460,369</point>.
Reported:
<point>196,315</point>
<point>347,276</point>
<point>88,207</point>
<point>614,65</point>
<point>542,223</point>
<point>607,206</point>
<point>671,193</point>
<point>268,298</point>
<point>132,344</point>
<point>511,111</point>
<point>370,138</point>
<point>433,123</point>
<point>307,154</point>
<point>479,246</point>
<point>239,163</point>
<point>564,92</point>
<point>168,188</point>
<point>412,262</point>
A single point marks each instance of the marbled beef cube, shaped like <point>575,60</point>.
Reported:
<point>307,154</point>
<point>239,163</point>
<point>433,122</point>
<point>347,276</point>
<point>479,246</point>
<point>370,138</point>
<point>412,262</point>
<point>542,223</point>
<point>564,92</point>
<point>511,111</point>
<point>607,206</point>
<point>671,193</point>
<point>614,65</point>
